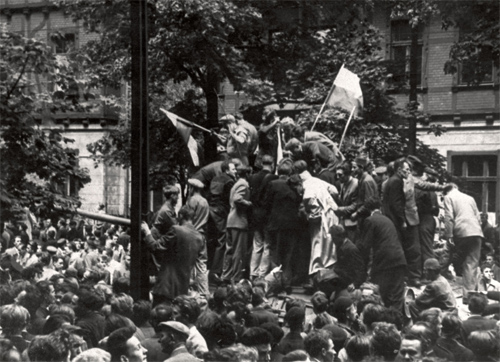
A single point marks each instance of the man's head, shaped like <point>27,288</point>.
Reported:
<point>186,309</point>
<point>125,347</point>
<point>484,218</point>
<point>359,165</point>
<point>59,264</point>
<point>411,349</point>
<point>294,146</point>
<point>477,303</point>
<point>227,121</point>
<point>490,259</point>
<point>338,234</point>
<point>319,345</point>
<point>18,243</point>
<point>343,172</point>
<point>172,335</point>
<point>171,193</point>
<point>268,163</point>
<point>185,215</point>
<point>385,341</point>
<point>48,223</point>
<point>195,185</point>
<point>228,168</point>
<point>295,318</point>
<point>487,270</point>
<point>432,269</point>
<point>451,325</point>
<point>260,339</point>
<point>300,166</point>
<point>402,168</point>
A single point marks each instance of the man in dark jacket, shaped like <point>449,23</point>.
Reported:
<point>176,251</point>
<point>350,266</point>
<point>389,263</point>
<point>218,202</point>
<point>367,189</point>
<point>282,203</point>
<point>260,260</point>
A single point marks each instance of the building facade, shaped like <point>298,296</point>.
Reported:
<point>41,19</point>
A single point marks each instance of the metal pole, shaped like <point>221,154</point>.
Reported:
<point>139,278</point>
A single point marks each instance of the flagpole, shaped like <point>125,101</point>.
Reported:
<point>346,126</point>
<point>189,123</point>
<point>326,100</point>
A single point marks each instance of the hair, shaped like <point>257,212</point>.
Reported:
<point>45,258</point>
<point>255,335</point>
<point>225,166</point>
<point>425,335</point>
<point>93,355</point>
<point>297,355</point>
<point>141,312</point>
<point>30,272</point>
<point>451,325</point>
<point>43,287</point>
<point>338,231</point>
<point>121,285</point>
<point>7,348</point>
<point>321,320</point>
<point>346,168</point>
<point>399,163</point>
<point>482,343</point>
<point>284,168</point>
<point>292,144</point>
<point>115,321</point>
<point>185,213</point>
<point>53,347</point>
<point>64,310</point>
<point>319,302</point>
<point>373,313</point>
<point>477,303</point>
<point>237,352</point>
<point>90,299</point>
<point>13,319</point>
<point>385,341</point>
<point>117,342</point>
<point>433,316</point>
<point>51,234</point>
<point>315,342</point>
<point>267,160</point>
<point>295,318</point>
<point>258,296</point>
<point>189,309</point>
<point>54,322</point>
<point>274,330</point>
<point>300,166</point>
<point>295,302</point>
<point>161,313</point>
<point>357,347</point>
<point>170,190</point>
<point>122,304</point>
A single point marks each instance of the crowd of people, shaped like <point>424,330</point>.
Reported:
<point>356,234</point>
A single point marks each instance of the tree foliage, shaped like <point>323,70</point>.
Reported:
<point>35,84</point>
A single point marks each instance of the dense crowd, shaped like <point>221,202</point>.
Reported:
<point>354,234</point>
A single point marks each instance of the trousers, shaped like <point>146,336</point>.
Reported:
<point>235,255</point>
<point>467,252</point>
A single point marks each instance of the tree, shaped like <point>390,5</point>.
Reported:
<point>36,163</point>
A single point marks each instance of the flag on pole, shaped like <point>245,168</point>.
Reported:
<point>346,92</point>
<point>184,129</point>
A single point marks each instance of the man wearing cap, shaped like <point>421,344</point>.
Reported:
<point>173,337</point>
<point>176,252</point>
<point>166,216</point>
<point>462,223</point>
<point>199,206</point>
<point>237,228</point>
<point>437,294</point>
<point>367,188</point>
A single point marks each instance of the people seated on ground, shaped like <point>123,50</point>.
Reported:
<point>476,322</point>
<point>437,293</point>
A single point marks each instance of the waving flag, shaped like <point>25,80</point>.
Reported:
<point>184,128</point>
<point>346,92</point>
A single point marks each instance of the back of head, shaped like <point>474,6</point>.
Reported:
<point>115,321</point>
<point>358,347</point>
<point>90,299</point>
<point>255,336</point>
<point>186,213</point>
<point>267,162</point>
<point>284,168</point>
<point>319,302</point>
<point>295,318</point>
<point>161,313</point>
<point>385,341</point>
<point>373,313</point>
<point>300,166</point>
<point>188,309</point>
<point>451,325</point>
<point>14,319</point>
<point>274,330</point>
<point>122,304</point>
<point>316,342</point>
<point>482,343</point>
<point>93,355</point>
<point>297,355</point>
<point>141,312</point>
<point>117,342</point>
<point>477,303</point>
<point>121,285</point>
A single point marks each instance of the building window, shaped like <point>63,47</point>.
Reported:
<point>400,52</point>
<point>480,71</point>
<point>63,42</point>
<point>479,175</point>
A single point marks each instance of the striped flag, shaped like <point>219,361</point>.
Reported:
<point>184,128</point>
<point>346,92</point>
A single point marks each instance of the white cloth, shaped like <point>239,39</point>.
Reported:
<point>461,216</point>
<point>320,208</point>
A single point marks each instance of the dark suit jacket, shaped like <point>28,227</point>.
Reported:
<point>460,352</point>
<point>350,265</point>
<point>259,316</point>
<point>207,173</point>
<point>477,323</point>
<point>379,234</point>
<point>176,253</point>
<point>394,201</point>
<point>282,205</point>
<point>367,189</point>
<point>258,182</point>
